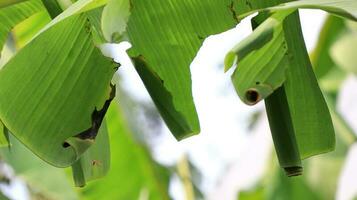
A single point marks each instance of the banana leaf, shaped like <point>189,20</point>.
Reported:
<point>343,8</point>
<point>255,79</point>
<point>12,15</point>
<point>62,81</point>
<point>166,35</point>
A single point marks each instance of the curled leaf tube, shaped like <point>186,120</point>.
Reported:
<point>280,121</point>
<point>283,133</point>
<point>260,36</point>
<point>263,70</point>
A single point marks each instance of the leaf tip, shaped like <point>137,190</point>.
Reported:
<point>230,60</point>
<point>293,171</point>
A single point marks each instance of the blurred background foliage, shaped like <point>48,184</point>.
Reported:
<point>136,174</point>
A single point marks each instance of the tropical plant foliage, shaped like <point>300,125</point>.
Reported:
<point>57,88</point>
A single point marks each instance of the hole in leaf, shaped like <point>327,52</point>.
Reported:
<point>252,96</point>
<point>65,145</point>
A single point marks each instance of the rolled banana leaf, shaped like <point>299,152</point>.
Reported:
<point>284,62</point>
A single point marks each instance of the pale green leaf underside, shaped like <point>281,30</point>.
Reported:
<point>343,53</point>
<point>25,30</point>
<point>344,8</point>
<point>260,36</point>
<point>7,3</point>
<point>10,16</point>
<point>167,34</point>
<point>264,70</point>
<point>320,56</point>
<point>52,86</point>
<point>114,19</point>
<point>78,7</point>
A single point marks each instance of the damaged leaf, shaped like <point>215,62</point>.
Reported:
<point>168,34</point>
<point>12,15</point>
<point>95,162</point>
<point>84,140</point>
<point>60,79</point>
<point>132,166</point>
<point>162,99</point>
<point>260,36</point>
<point>310,117</point>
<point>263,70</point>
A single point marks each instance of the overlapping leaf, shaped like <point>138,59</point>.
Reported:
<point>12,15</point>
<point>6,3</point>
<point>95,162</point>
<point>167,35</point>
<point>261,76</point>
<point>344,8</point>
<point>60,80</point>
<point>114,19</point>
<point>133,172</point>
<point>305,100</point>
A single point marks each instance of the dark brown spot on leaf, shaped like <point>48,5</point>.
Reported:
<point>97,118</point>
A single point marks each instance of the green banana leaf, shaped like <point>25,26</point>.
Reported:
<point>343,8</point>
<point>309,111</point>
<point>263,70</point>
<point>133,172</point>
<point>53,8</point>
<point>6,3</point>
<point>175,47</point>
<point>76,8</point>
<point>95,162</point>
<point>166,35</point>
<point>12,15</point>
<point>27,29</point>
<point>310,116</point>
<point>62,81</point>
<point>4,136</point>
